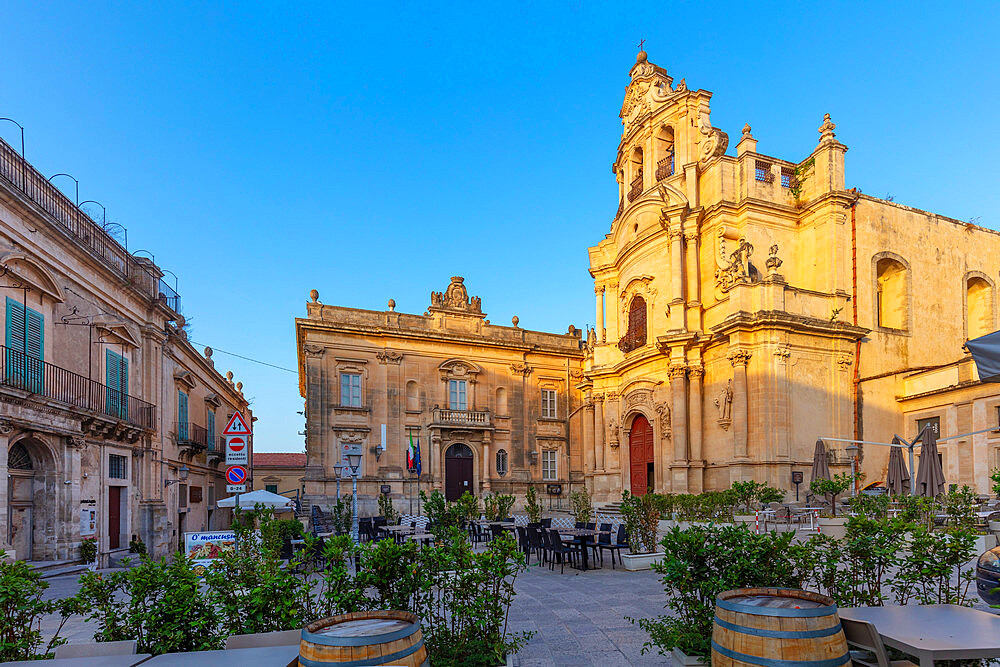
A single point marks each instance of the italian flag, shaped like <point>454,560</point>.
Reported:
<point>413,455</point>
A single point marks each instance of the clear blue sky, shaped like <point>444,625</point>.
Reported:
<point>263,150</point>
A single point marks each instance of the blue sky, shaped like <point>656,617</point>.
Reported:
<point>261,150</point>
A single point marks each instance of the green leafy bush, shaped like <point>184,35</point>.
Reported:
<point>642,518</point>
<point>831,488</point>
<point>583,508</point>
<point>88,550</point>
<point>137,546</point>
<point>531,505</point>
<point>21,612</point>
<point>995,478</point>
<point>468,507</point>
<point>386,509</point>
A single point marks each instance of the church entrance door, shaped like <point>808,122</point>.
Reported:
<point>640,451</point>
<point>457,471</point>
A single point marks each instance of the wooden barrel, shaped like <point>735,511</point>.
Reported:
<point>777,627</point>
<point>364,638</point>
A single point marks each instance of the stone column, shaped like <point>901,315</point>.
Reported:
<point>740,358</point>
<point>588,438</point>
<point>599,431</point>
<point>677,279</point>
<point>486,461</point>
<point>599,324</point>
<point>782,424</point>
<point>678,391</point>
<point>611,443</point>
<point>6,428</point>
<point>695,479</point>
<point>693,282</point>
<point>438,453</point>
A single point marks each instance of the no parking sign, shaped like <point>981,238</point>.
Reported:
<point>236,477</point>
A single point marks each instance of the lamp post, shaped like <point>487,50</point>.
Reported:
<point>338,470</point>
<point>182,472</point>
<point>354,462</point>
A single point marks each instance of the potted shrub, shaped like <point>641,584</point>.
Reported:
<point>504,504</point>
<point>387,510</point>
<point>532,507</point>
<point>583,509</point>
<point>88,552</point>
<point>642,518</point>
<point>831,488</point>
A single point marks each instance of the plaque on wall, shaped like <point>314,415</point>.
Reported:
<point>553,489</point>
<point>386,489</point>
<point>796,477</point>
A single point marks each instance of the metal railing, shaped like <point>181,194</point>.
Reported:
<point>20,175</point>
<point>462,417</point>
<point>665,167</point>
<point>22,371</point>
<point>636,189</point>
<point>189,433</point>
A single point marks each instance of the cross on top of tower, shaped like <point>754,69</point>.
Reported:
<point>641,42</point>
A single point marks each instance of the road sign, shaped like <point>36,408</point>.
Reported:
<point>236,426</point>
<point>236,474</point>
<point>236,488</point>
<point>237,451</point>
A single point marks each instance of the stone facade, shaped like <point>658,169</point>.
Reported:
<point>489,406</point>
<point>90,375</point>
<point>747,305</point>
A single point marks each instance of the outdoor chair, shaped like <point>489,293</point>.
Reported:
<point>547,523</point>
<point>621,542</point>
<point>865,636</point>
<point>261,639</point>
<point>580,524</point>
<point>378,527</point>
<point>558,549</point>
<point>535,542</point>
<point>101,649</point>
<point>604,538</point>
<point>591,526</point>
<point>522,540</point>
<point>365,529</point>
<point>496,531</point>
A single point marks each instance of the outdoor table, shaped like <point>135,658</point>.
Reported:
<point>420,537</point>
<point>584,534</point>
<point>933,632</point>
<point>398,529</point>
<point>264,656</point>
<point>93,661</point>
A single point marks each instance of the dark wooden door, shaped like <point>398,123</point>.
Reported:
<point>457,471</point>
<point>114,516</point>
<point>640,452</point>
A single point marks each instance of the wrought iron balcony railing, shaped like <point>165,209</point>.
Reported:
<point>191,434</point>
<point>18,174</point>
<point>665,167</point>
<point>479,418</point>
<point>636,188</point>
<point>22,371</point>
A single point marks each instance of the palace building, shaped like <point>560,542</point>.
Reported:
<point>490,407</point>
<point>747,305</point>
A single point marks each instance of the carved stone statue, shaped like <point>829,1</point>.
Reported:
<point>724,403</point>
<point>456,298</point>
<point>591,339</point>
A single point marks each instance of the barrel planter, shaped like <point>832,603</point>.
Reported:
<point>364,638</point>
<point>777,627</point>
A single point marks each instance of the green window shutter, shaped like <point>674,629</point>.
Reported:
<point>211,430</point>
<point>15,325</point>
<point>272,488</point>
<point>116,377</point>
<point>25,341</point>
<point>182,415</point>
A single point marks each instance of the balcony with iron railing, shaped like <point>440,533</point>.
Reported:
<point>636,188</point>
<point>462,418</point>
<point>26,373</point>
<point>18,174</point>
<point>190,434</point>
<point>665,167</point>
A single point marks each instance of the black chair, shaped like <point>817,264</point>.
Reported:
<point>522,542</point>
<point>496,531</point>
<point>547,523</point>
<point>591,526</point>
<point>559,550</point>
<point>605,543</point>
<point>378,527</point>
<point>365,533</point>
<point>580,524</point>
<point>535,542</point>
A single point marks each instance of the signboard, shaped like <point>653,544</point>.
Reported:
<point>88,522</point>
<point>553,489</point>
<point>796,477</point>
<point>237,450</point>
<point>202,548</point>
<point>236,478</point>
<point>236,426</point>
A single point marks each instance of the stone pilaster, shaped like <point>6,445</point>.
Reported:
<point>599,431</point>
<point>588,438</point>
<point>695,477</point>
<point>677,279</point>
<point>678,391</point>
<point>693,282</point>
<point>599,324</point>
<point>740,358</point>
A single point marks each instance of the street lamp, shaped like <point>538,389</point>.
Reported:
<point>354,462</point>
<point>182,472</point>
<point>852,451</point>
<point>338,471</point>
<point>75,181</point>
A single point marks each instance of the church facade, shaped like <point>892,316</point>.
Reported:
<point>490,408</point>
<point>748,305</point>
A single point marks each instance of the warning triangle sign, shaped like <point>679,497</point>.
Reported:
<point>236,425</point>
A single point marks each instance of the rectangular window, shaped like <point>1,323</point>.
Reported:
<point>210,427</point>
<point>456,395</point>
<point>116,378</point>
<point>350,390</point>
<point>549,403</point>
<point>196,494</point>
<point>25,340</point>
<point>182,417</point>
<point>934,422</point>
<point>182,495</point>
<point>271,488</point>
<point>762,171</point>
<point>787,177</point>
<point>116,467</point>
<point>550,470</point>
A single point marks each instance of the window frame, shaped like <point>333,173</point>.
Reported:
<point>550,404</point>
<point>268,487</point>
<point>550,465</point>
<point>354,397</point>
<point>458,395</point>
<point>501,456</point>
<point>114,461</point>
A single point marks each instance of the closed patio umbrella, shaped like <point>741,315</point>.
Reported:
<point>821,466</point>
<point>986,353</point>
<point>898,477</point>
<point>930,476</point>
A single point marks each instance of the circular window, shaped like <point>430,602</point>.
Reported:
<point>501,462</point>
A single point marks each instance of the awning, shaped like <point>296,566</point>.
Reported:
<point>986,352</point>
<point>265,498</point>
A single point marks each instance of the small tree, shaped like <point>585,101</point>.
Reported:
<point>831,488</point>
<point>642,518</point>
<point>582,507</point>
<point>532,506</point>
<point>387,510</point>
<point>995,478</point>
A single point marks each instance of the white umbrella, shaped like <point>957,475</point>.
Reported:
<point>251,499</point>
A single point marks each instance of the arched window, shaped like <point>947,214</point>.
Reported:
<point>18,458</point>
<point>635,187</point>
<point>891,294</point>
<point>664,153</point>
<point>412,396</point>
<point>501,401</point>
<point>501,462</point>
<point>635,336</point>
<point>978,307</point>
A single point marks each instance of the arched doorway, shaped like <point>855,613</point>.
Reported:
<point>640,455</point>
<point>20,500</point>
<point>457,471</point>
